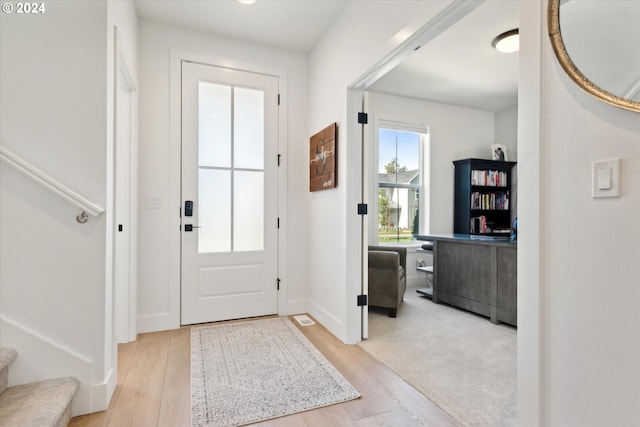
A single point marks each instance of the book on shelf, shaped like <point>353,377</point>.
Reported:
<point>500,230</point>
<point>489,178</point>
<point>490,201</point>
<point>479,225</point>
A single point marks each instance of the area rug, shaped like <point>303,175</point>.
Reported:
<point>462,362</point>
<point>246,372</point>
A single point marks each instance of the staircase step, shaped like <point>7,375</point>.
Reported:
<point>44,403</point>
<point>7,355</point>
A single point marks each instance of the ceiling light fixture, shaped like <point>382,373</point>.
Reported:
<point>508,42</point>
<point>247,1</point>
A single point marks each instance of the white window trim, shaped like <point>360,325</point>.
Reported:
<point>425,157</point>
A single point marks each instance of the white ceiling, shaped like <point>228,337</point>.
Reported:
<point>458,67</point>
<point>289,24</point>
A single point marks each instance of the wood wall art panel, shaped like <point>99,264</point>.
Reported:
<point>323,163</point>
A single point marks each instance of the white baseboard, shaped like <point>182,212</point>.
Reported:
<point>101,393</point>
<point>165,321</point>
<point>157,322</point>
<point>298,306</point>
<point>40,358</point>
<point>329,321</point>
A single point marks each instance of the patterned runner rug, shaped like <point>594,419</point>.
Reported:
<point>246,372</point>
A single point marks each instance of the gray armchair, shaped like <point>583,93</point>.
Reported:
<point>387,277</point>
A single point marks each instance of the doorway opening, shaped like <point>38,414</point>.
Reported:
<point>439,222</point>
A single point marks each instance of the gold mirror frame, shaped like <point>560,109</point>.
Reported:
<point>555,35</point>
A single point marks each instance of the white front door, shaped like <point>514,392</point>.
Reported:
<point>229,194</point>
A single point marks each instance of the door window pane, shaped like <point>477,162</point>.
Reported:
<point>231,140</point>
<point>214,124</point>
<point>214,211</point>
<point>248,128</point>
<point>248,213</point>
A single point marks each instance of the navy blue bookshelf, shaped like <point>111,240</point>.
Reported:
<point>482,197</point>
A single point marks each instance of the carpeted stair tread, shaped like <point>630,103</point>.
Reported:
<point>7,355</point>
<point>44,403</point>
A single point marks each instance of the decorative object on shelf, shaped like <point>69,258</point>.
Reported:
<point>612,78</point>
<point>323,152</point>
<point>514,230</point>
<point>498,152</point>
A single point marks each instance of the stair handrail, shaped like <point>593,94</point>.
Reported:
<point>88,207</point>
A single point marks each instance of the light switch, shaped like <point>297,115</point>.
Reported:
<point>605,178</point>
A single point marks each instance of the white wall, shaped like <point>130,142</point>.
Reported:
<point>586,287</point>
<point>507,131</point>
<point>590,258</point>
<point>449,141</point>
<point>159,237</point>
<point>507,134</point>
<point>54,279</point>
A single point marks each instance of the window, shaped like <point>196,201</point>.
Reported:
<point>230,168</point>
<point>401,176</point>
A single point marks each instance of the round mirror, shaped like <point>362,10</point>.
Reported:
<point>597,44</point>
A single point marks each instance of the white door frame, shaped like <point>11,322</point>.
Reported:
<point>172,319</point>
<point>125,294</point>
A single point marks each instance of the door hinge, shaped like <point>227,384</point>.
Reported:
<point>278,225</point>
<point>278,99</point>
<point>279,155</point>
<point>362,300</point>
<point>363,118</point>
<point>362,208</point>
<point>278,283</point>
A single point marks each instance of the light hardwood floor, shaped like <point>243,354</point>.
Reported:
<point>154,388</point>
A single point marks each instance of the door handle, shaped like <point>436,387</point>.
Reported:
<point>190,227</point>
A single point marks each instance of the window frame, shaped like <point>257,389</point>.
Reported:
<point>422,188</point>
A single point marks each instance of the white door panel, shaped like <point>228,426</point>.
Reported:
<point>229,172</point>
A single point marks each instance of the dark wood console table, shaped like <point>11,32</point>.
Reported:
<point>476,273</point>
